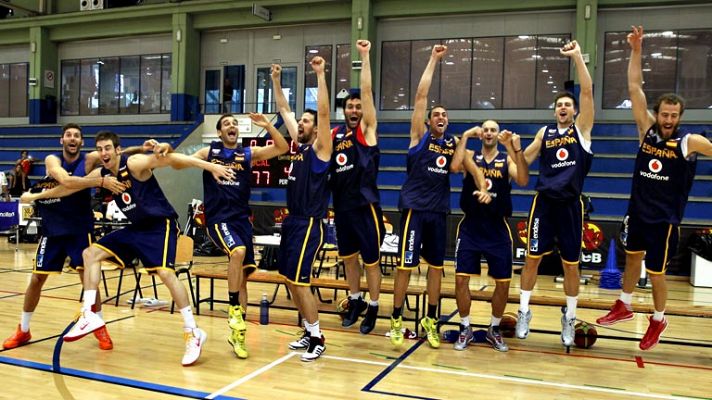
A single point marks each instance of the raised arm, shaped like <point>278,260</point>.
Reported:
<point>282,104</point>
<point>279,145</point>
<point>323,144</point>
<point>481,193</point>
<point>417,125</point>
<point>699,144</point>
<point>584,120</point>
<point>532,151</point>
<point>202,153</point>
<point>368,119</point>
<point>141,165</point>
<point>643,118</point>
<point>93,159</point>
<point>456,165</point>
<point>516,163</point>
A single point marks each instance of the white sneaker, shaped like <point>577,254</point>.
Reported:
<point>87,323</point>
<point>567,330</point>
<point>522,327</point>
<point>317,346</point>
<point>194,342</point>
<point>302,343</point>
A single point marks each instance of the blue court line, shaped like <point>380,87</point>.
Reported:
<point>390,368</point>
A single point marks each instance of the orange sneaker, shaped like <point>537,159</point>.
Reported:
<point>17,339</point>
<point>102,335</point>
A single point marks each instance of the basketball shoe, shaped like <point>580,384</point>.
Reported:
<point>17,339</point>
<point>194,343</point>
<point>619,313</point>
<point>317,345</point>
<point>567,330</point>
<point>238,330</point>
<point>356,308</point>
<point>302,343</point>
<point>430,325</point>
<point>396,331</point>
<point>521,330</point>
<point>369,321</point>
<point>652,335</point>
<point>494,337</point>
<point>87,323</point>
<point>465,338</point>
<point>102,335</point>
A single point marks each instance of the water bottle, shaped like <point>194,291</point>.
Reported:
<point>264,310</point>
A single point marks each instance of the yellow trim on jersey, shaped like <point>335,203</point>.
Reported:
<point>378,230</point>
<point>569,262</point>
<point>502,280</point>
<point>634,251</point>
<point>304,248</point>
<point>529,227</point>
<point>120,263</point>
<point>165,243</point>
<point>537,256</point>
<point>401,265</point>
<point>667,249</point>
<point>350,255</point>
<point>295,282</point>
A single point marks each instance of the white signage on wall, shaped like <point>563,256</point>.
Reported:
<point>49,79</point>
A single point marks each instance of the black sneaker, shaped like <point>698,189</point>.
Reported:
<point>356,308</point>
<point>369,321</point>
<point>316,347</point>
<point>302,343</point>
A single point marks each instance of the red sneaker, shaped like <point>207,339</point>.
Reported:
<point>619,313</point>
<point>102,335</point>
<point>652,335</point>
<point>17,339</point>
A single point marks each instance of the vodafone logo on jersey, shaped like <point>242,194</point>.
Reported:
<point>562,154</point>
<point>489,184</point>
<point>126,198</point>
<point>655,165</point>
<point>341,159</point>
<point>441,161</point>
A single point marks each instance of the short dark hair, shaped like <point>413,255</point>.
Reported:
<point>430,112</point>
<point>568,94</point>
<point>670,98</point>
<point>72,125</point>
<point>107,135</point>
<point>313,113</point>
<point>352,96</point>
<point>220,120</point>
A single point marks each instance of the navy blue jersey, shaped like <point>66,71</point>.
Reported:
<point>662,178</point>
<point>307,186</point>
<point>141,202</point>
<point>563,164</point>
<point>71,215</point>
<point>225,200</point>
<point>354,170</point>
<point>427,187</point>
<point>498,184</point>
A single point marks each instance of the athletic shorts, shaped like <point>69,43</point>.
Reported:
<point>154,243</point>
<point>426,229</point>
<point>490,238</point>
<point>658,241</point>
<point>551,219</point>
<point>361,231</point>
<point>230,236</point>
<point>301,240</point>
<point>52,251</point>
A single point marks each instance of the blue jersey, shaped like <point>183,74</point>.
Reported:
<point>497,178</point>
<point>563,164</point>
<point>70,215</point>
<point>141,202</point>
<point>662,178</point>
<point>427,187</point>
<point>354,170</point>
<point>307,186</point>
<point>225,200</point>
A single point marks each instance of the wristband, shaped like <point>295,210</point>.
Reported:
<point>517,151</point>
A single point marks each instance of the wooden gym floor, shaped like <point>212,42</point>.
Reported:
<point>148,345</point>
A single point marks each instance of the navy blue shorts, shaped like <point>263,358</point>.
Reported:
<point>490,238</point>
<point>301,240</point>
<point>53,250</point>
<point>560,219</point>
<point>153,243</point>
<point>658,241</point>
<point>424,228</point>
<point>361,231</point>
<point>230,236</point>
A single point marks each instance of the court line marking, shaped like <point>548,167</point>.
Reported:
<point>251,375</point>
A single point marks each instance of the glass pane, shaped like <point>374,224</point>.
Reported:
<point>70,88</point>
<point>18,90</point>
<point>150,83</point>
<point>89,89</point>
<point>519,71</point>
<point>109,85</point>
<point>615,70</point>
<point>343,69</point>
<point>420,55</point>
<point>310,84</point>
<point>552,69</point>
<point>264,90</point>
<point>289,87</point>
<point>487,72</point>
<point>659,64</point>
<point>233,88</point>
<point>395,66</point>
<point>129,85</point>
<point>265,98</point>
<point>694,68</point>
<point>212,91</point>
<point>4,90</point>
<point>166,88</point>
<point>456,71</point>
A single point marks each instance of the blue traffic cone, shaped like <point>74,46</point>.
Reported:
<point>610,275</point>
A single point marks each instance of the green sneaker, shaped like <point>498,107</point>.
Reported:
<point>431,329</point>
<point>238,329</point>
<point>396,331</point>
<point>235,320</point>
<point>237,341</point>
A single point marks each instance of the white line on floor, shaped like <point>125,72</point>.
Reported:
<point>251,375</point>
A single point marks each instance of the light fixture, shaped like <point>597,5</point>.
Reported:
<point>178,35</point>
<point>33,47</point>
<point>359,23</point>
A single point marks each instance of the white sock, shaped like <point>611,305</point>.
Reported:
<point>89,299</point>
<point>465,321</point>
<point>188,319</point>
<point>571,302</point>
<point>373,303</point>
<point>355,295</point>
<point>524,296</point>
<point>25,321</point>
<point>314,329</point>
<point>627,299</point>
<point>658,315</point>
<point>495,321</point>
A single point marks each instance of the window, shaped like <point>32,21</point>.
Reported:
<point>150,75</point>
<point>13,90</point>
<point>343,69</point>
<point>212,91</point>
<point>395,75</point>
<point>552,69</point>
<point>310,81</point>
<point>265,98</point>
<point>487,73</point>
<point>456,73</point>
<point>70,87</point>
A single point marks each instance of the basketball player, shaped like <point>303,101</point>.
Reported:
<point>227,211</point>
<point>358,215</point>
<point>67,225</point>
<point>662,178</point>
<point>484,230</point>
<point>565,156</point>
<point>152,235</point>
<point>307,202</point>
